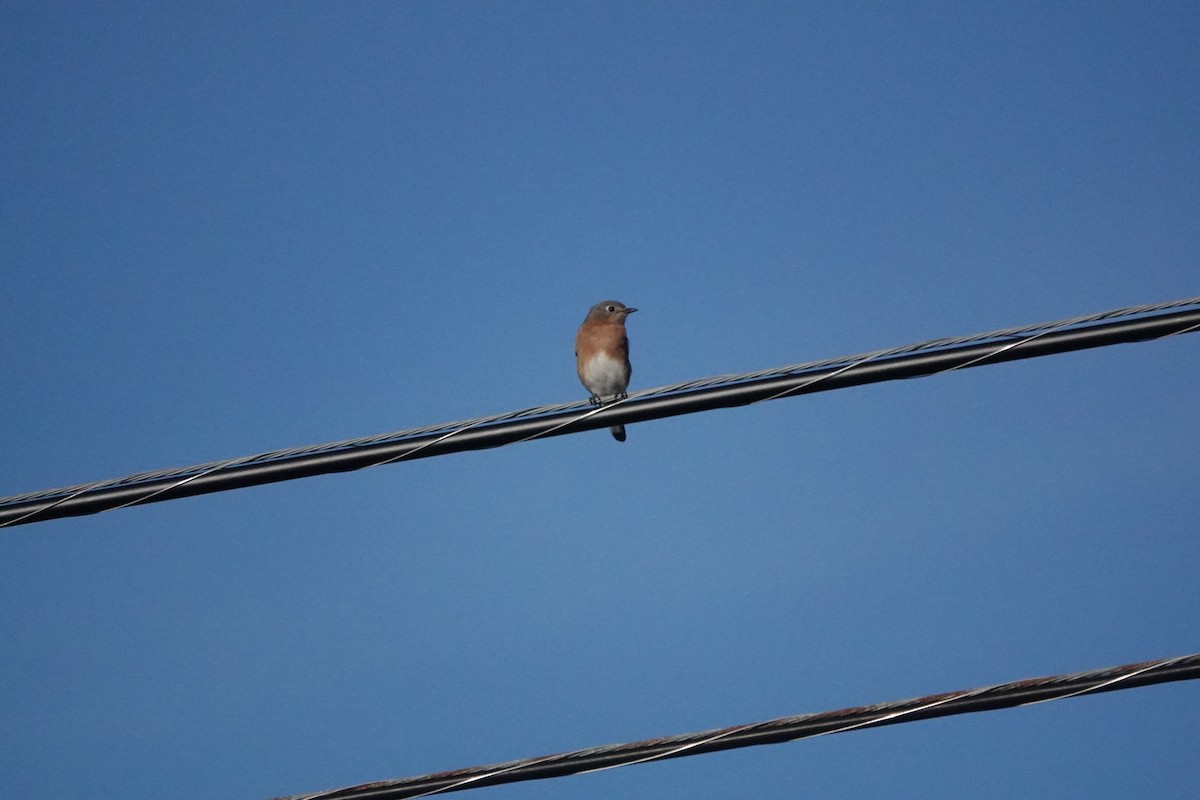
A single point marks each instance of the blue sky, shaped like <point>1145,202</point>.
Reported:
<point>231,228</point>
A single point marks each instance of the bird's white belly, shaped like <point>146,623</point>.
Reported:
<point>605,376</point>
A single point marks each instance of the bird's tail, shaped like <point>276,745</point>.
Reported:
<point>618,432</point>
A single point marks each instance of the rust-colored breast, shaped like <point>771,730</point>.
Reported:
<point>607,337</point>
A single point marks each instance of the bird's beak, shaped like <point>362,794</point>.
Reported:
<point>630,310</point>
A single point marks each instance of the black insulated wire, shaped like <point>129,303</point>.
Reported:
<point>913,361</point>
<point>783,729</point>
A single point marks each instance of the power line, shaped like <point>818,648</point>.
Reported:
<point>1132,324</point>
<point>784,729</point>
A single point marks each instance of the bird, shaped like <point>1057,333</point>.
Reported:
<point>602,354</point>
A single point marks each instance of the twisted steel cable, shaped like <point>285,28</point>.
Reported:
<point>931,357</point>
<point>773,731</point>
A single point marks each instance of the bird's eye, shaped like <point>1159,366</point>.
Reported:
<point>611,309</point>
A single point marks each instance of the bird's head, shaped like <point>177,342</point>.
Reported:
<point>609,311</point>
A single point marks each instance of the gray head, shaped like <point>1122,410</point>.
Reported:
<point>609,311</point>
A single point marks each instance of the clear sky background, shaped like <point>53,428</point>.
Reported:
<point>230,228</point>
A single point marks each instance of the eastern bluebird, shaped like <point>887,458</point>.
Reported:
<point>602,354</point>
